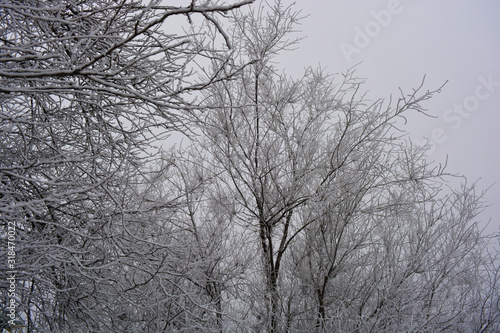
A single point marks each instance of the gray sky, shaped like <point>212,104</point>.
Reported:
<point>397,43</point>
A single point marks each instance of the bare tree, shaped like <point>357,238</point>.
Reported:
<point>346,213</point>
<point>411,266</point>
<point>285,146</point>
<point>214,256</point>
<point>86,89</point>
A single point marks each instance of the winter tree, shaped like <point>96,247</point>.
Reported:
<point>355,230</point>
<point>86,89</point>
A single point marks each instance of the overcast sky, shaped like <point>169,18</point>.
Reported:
<point>396,44</point>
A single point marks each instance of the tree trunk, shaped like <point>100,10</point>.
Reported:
<point>320,316</point>
<point>271,276</point>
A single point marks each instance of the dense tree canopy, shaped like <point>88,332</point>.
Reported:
<point>297,205</point>
<point>87,87</point>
